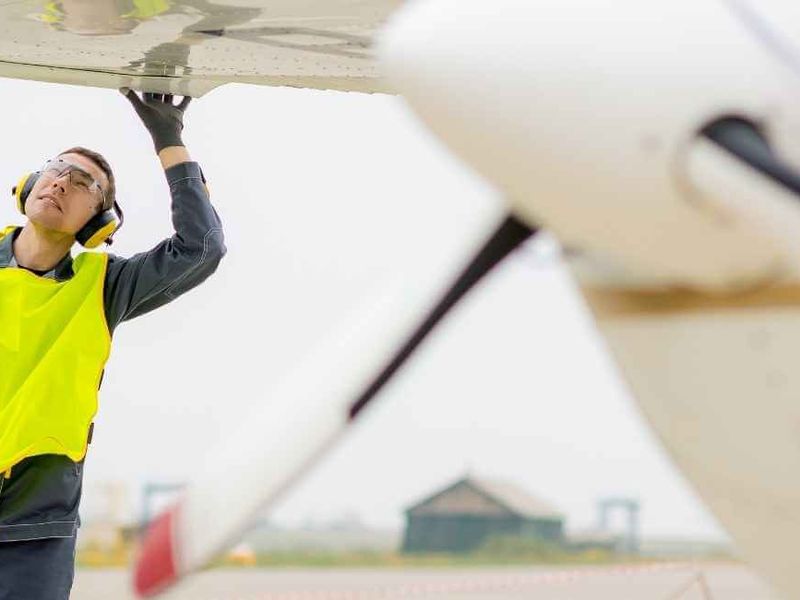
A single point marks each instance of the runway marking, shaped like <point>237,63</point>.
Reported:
<point>517,583</point>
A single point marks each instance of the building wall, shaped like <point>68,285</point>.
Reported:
<point>465,532</point>
<point>455,533</point>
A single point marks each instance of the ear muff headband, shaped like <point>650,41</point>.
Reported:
<point>100,227</point>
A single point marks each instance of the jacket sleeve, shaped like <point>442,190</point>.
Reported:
<point>145,281</point>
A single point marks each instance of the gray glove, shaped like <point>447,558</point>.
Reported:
<point>163,120</point>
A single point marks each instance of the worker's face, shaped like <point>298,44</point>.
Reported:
<point>67,194</point>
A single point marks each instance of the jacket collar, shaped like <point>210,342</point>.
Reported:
<point>61,272</point>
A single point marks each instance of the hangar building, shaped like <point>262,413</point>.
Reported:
<point>462,516</point>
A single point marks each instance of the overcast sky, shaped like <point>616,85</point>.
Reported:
<point>322,194</point>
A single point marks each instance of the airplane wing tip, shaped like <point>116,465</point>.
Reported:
<point>156,568</point>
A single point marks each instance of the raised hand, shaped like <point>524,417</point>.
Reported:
<point>163,119</point>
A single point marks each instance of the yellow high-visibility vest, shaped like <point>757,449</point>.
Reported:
<point>54,343</point>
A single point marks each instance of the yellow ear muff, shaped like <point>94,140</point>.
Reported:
<point>99,228</point>
<point>101,235</point>
<point>22,190</point>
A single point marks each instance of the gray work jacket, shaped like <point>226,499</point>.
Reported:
<point>40,498</point>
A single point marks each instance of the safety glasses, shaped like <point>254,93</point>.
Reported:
<point>79,179</point>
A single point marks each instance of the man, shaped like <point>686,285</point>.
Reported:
<point>57,316</point>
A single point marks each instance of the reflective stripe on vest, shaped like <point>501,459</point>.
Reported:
<point>54,343</point>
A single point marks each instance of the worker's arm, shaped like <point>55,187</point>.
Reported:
<point>147,280</point>
<point>173,155</point>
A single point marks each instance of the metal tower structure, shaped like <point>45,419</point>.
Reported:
<point>630,543</point>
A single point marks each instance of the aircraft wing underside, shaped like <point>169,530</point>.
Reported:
<point>188,47</point>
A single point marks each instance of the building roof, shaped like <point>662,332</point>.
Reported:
<point>515,498</point>
<point>505,496</point>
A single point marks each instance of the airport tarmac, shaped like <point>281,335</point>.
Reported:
<point>671,581</point>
